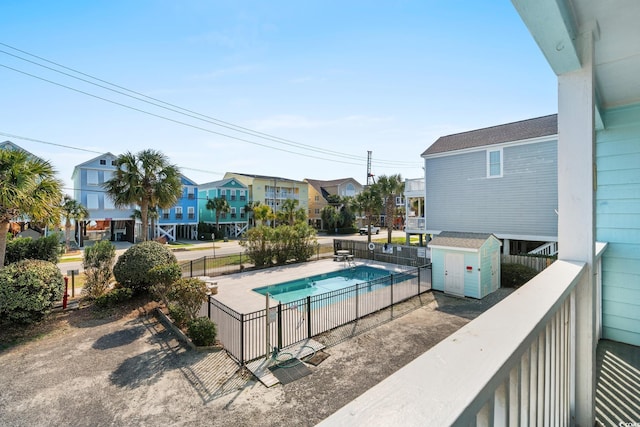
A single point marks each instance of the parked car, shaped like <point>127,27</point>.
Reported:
<point>365,230</point>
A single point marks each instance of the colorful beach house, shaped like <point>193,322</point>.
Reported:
<point>181,220</point>
<point>236,221</point>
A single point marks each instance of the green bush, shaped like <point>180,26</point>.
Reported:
<point>284,243</point>
<point>44,248</point>
<point>98,262</point>
<point>132,268</point>
<point>178,315</point>
<point>188,294</point>
<point>114,297</point>
<point>28,290</point>
<point>163,277</point>
<point>515,275</point>
<point>202,331</point>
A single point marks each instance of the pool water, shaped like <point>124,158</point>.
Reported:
<point>315,285</point>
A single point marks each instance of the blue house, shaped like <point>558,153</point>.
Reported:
<point>501,180</point>
<point>181,220</point>
<point>563,349</point>
<point>105,220</point>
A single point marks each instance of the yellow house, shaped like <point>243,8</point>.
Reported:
<point>320,190</point>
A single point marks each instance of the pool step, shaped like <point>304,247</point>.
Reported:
<point>260,367</point>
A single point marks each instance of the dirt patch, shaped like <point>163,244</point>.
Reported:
<point>131,371</point>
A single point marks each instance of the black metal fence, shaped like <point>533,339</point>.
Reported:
<point>412,256</point>
<point>234,263</point>
<point>249,336</point>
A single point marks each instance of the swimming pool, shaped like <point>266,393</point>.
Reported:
<point>322,283</point>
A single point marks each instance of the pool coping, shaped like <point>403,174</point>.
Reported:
<point>236,290</point>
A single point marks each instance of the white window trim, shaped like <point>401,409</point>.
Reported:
<point>489,163</point>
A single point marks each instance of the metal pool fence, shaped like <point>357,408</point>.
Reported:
<point>249,336</point>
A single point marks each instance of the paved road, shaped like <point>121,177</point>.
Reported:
<point>201,249</point>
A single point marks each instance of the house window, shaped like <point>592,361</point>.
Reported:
<point>351,190</point>
<point>191,212</point>
<point>494,163</point>
<point>317,211</point>
<point>233,212</point>
<point>92,201</point>
<point>108,202</point>
<point>191,193</point>
<point>241,212</point>
<point>113,162</point>
<point>165,214</point>
<point>92,177</point>
<point>103,162</point>
<point>178,212</point>
<point>316,198</point>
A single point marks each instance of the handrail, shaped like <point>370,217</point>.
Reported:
<point>451,383</point>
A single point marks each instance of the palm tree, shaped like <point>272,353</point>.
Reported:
<point>220,206</point>
<point>28,186</point>
<point>72,210</point>
<point>288,211</point>
<point>390,187</point>
<point>368,202</point>
<point>262,213</point>
<point>146,179</point>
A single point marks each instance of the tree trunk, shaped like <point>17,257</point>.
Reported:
<point>4,230</point>
<point>144,218</point>
<point>67,231</point>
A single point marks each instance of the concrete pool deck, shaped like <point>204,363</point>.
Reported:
<point>236,290</point>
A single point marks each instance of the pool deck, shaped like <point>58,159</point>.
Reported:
<point>236,290</point>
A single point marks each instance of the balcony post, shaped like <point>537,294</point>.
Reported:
<point>576,218</point>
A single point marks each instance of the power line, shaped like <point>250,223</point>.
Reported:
<point>9,135</point>
<point>176,109</point>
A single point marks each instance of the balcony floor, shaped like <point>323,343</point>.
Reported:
<point>617,384</point>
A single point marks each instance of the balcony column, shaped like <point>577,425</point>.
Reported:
<point>576,215</point>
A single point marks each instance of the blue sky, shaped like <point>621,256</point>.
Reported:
<point>332,78</point>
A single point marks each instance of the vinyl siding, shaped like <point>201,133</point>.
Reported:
<point>460,197</point>
<point>618,222</point>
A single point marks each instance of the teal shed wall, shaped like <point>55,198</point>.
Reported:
<point>618,222</point>
<point>477,283</point>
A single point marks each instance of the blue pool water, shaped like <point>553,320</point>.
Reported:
<point>301,288</point>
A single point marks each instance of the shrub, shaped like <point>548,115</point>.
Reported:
<point>44,248</point>
<point>515,275</point>
<point>178,315</point>
<point>258,245</point>
<point>28,290</point>
<point>98,262</point>
<point>132,268</point>
<point>114,297</point>
<point>202,331</point>
<point>163,277</point>
<point>284,243</point>
<point>188,294</point>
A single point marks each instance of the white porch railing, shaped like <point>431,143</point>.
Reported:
<point>513,365</point>
<point>415,223</point>
<point>550,248</point>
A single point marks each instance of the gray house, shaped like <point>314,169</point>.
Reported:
<point>501,180</point>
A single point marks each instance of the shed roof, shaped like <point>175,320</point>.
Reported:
<point>516,131</point>
<point>453,239</point>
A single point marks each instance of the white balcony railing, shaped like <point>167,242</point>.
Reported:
<point>412,185</point>
<point>513,365</point>
<point>415,223</point>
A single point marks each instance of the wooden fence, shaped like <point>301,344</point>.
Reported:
<point>538,263</point>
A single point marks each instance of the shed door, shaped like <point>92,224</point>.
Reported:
<point>454,273</point>
<point>495,271</point>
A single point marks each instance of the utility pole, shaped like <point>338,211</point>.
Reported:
<point>370,178</point>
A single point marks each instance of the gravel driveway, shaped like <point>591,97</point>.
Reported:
<point>133,372</point>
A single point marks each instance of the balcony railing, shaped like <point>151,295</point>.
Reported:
<point>191,216</point>
<point>411,185</point>
<point>416,223</point>
<point>178,216</point>
<point>513,365</point>
<point>191,196</point>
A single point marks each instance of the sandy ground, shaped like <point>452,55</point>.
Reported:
<point>133,372</point>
